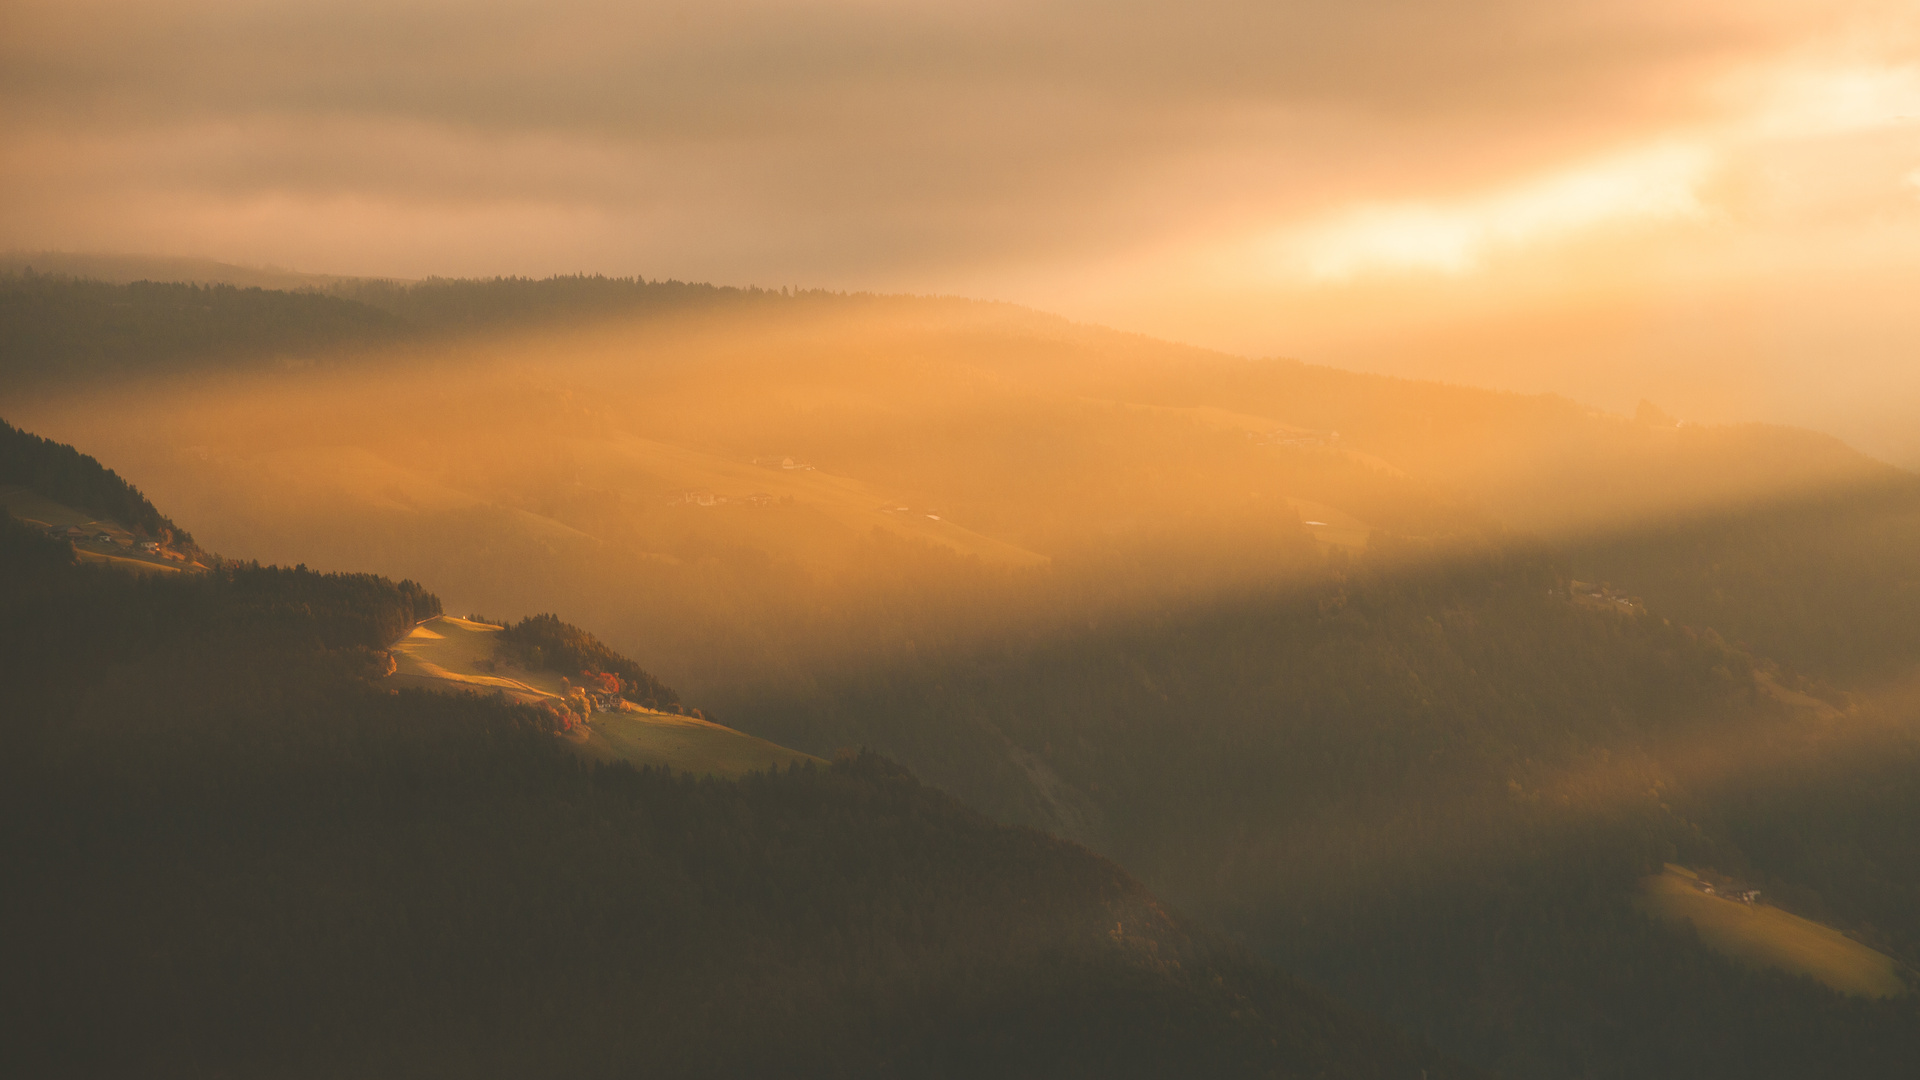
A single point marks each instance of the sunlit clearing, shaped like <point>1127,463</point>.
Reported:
<point>1655,184</point>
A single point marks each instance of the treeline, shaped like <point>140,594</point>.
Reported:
<point>453,304</point>
<point>55,328</point>
<point>1826,581</point>
<point>71,478</point>
<point>233,853</point>
<point>543,642</point>
<point>233,609</point>
<point>64,329</point>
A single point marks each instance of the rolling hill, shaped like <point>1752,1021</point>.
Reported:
<point>241,849</point>
<point>1301,648</point>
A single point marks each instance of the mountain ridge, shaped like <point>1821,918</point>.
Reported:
<point>1426,769</point>
<point>239,852</point>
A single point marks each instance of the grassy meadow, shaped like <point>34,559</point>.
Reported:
<point>445,653</point>
<point>1765,936</point>
<point>453,655</point>
<point>36,509</point>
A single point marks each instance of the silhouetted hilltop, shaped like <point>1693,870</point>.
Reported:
<point>122,269</point>
<point>58,330</point>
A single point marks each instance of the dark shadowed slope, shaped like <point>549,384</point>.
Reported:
<point>64,475</point>
<point>234,853</point>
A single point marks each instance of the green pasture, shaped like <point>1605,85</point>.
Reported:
<point>1762,936</point>
<point>454,655</point>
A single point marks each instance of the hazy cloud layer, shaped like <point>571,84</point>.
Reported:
<point>1358,182</point>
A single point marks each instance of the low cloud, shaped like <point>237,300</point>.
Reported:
<point>883,144</point>
<point>1346,182</point>
<point>1657,184</point>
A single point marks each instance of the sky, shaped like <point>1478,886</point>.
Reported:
<point>1712,204</point>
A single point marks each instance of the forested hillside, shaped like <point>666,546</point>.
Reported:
<point>1436,791</point>
<point>535,440</point>
<point>71,478</point>
<point>1827,580</point>
<point>543,641</point>
<point>455,305</point>
<point>1407,686</point>
<point>57,329</point>
<point>232,853</point>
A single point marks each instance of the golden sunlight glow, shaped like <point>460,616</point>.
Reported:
<point>1660,183</point>
<point>1655,183</point>
<point>1818,101</point>
<point>1499,194</point>
<point>1430,488</point>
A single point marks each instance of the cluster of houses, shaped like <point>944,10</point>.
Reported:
<point>699,497</point>
<point>1748,897</point>
<point>1603,596</point>
<point>786,463</point>
<point>708,498</point>
<point>80,534</point>
<point>1284,437</point>
<point>595,691</point>
<point>929,515</point>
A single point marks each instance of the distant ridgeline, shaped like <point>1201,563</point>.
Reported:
<point>58,328</point>
<point>55,328</point>
<point>67,476</point>
<point>458,303</point>
<point>231,851</point>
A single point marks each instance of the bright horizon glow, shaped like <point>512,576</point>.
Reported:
<point>1826,100</point>
<point>1655,184</point>
<point>1708,203</point>
<point>1650,184</point>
